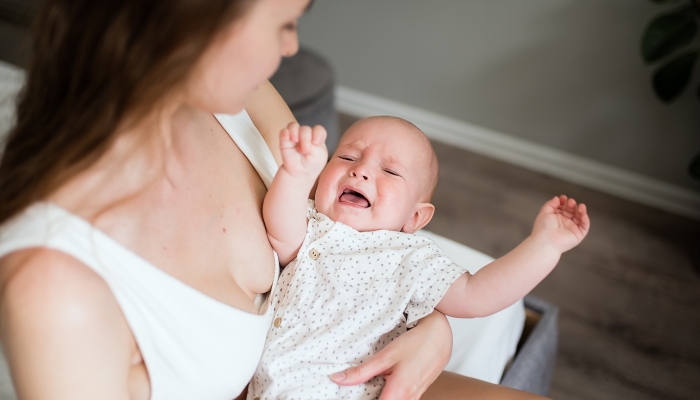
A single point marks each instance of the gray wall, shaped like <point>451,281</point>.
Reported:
<point>563,73</point>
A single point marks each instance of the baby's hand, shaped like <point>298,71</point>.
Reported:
<point>562,222</point>
<point>304,152</point>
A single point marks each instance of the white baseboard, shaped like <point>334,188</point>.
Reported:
<point>536,157</point>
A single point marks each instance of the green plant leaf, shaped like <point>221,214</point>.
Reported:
<point>670,79</point>
<point>668,33</point>
<point>694,167</point>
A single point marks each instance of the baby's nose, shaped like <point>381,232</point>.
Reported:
<point>354,174</point>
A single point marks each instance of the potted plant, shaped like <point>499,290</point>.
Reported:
<point>669,40</point>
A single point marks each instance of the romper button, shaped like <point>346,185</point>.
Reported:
<point>277,322</point>
<point>313,253</point>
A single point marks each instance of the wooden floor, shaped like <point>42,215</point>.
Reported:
<point>629,295</point>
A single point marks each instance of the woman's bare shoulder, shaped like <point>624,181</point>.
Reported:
<point>40,269</point>
<point>52,286</point>
<point>62,326</point>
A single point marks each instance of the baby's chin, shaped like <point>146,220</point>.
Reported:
<point>351,221</point>
<point>361,224</point>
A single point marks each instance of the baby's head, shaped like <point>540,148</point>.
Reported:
<point>382,176</point>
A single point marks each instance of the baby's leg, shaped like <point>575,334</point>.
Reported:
<point>452,386</point>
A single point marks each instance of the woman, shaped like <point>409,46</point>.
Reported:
<point>132,251</point>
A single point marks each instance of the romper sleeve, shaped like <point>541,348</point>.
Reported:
<point>437,273</point>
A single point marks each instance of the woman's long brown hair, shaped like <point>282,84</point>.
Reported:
<point>94,64</point>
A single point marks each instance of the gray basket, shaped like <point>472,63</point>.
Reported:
<point>533,364</point>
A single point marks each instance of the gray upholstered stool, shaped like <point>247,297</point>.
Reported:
<point>306,82</point>
<point>533,364</point>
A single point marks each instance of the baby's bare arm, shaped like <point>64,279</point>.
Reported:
<point>501,283</point>
<point>560,225</point>
<point>304,155</point>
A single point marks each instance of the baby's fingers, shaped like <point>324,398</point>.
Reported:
<point>551,206</point>
<point>568,207</point>
<point>286,141</point>
<point>581,218</point>
<point>318,135</point>
<point>293,129</point>
<point>562,201</point>
<point>304,139</point>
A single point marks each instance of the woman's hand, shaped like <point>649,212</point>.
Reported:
<point>410,363</point>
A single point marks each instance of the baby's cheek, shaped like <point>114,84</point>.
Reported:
<point>396,217</point>
<point>323,195</point>
<point>323,203</point>
<point>320,206</point>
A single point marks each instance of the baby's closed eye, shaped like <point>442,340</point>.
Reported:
<point>390,172</point>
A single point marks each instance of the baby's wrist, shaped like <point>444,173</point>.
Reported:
<point>299,178</point>
<point>543,243</point>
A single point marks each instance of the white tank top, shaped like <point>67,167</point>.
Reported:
<point>194,346</point>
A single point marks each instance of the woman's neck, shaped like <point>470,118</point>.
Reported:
<point>143,154</point>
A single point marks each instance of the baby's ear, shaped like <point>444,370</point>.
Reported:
<point>420,218</point>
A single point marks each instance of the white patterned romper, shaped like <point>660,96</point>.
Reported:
<point>346,296</point>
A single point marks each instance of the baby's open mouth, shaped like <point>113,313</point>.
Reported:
<point>353,197</point>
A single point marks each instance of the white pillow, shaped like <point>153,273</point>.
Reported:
<point>482,346</point>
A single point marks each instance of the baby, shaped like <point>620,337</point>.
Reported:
<point>357,276</point>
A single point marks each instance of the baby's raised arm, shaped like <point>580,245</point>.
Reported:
<point>560,225</point>
<point>304,155</point>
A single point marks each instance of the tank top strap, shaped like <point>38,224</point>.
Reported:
<point>247,137</point>
<point>42,225</point>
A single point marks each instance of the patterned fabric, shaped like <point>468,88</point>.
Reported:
<point>346,296</point>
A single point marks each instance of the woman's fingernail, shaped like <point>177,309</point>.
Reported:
<point>338,376</point>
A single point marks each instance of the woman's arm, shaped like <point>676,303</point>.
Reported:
<point>62,330</point>
<point>451,386</point>
<point>410,363</point>
<point>270,114</point>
